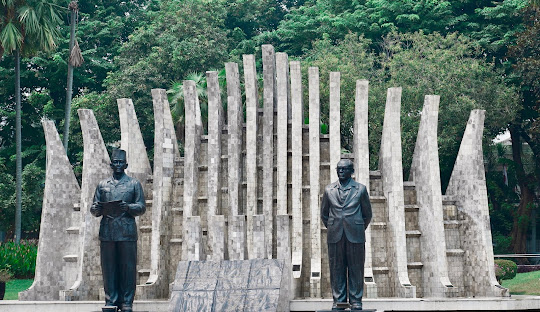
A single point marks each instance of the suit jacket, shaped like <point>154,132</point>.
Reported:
<point>350,216</point>
<point>122,227</point>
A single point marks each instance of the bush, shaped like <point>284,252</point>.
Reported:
<point>19,259</point>
<point>505,269</point>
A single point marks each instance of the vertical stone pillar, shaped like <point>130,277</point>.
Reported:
<point>96,167</point>
<point>314,185</point>
<point>193,238</point>
<point>216,237</point>
<point>215,126</point>
<point>251,85</point>
<point>283,237</point>
<point>237,237</point>
<point>236,228</point>
<point>234,147</point>
<point>390,163</point>
<point>282,79</point>
<point>296,170</point>
<point>269,64</point>
<point>57,239</point>
<point>467,186</point>
<point>191,159</point>
<point>335,127</point>
<point>165,150</point>
<point>361,170</point>
<point>425,173</point>
<point>259,246</point>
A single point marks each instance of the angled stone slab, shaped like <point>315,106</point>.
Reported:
<point>361,171</point>
<point>191,225</point>
<point>96,167</point>
<point>425,172</point>
<point>390,163</point>
<point>165,151</point>
<point>61,193</point>
<point>132,142</point>
<point>467,187</point>
<point>138,168</point>
<point>247,285</point>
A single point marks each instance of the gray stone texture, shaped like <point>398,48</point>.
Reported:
<point>467,187</point>
<point>390,163</point>
<point>165,152</point>
<point>335,125</point>
<point>247,285</point>
<point>314,185</point>
<point>138,168</point>
<point>269,102</point>
<point>425,173</point>
<point>361,171</point>
<point>234,142</point>
<point>252,104</point>
<point>96,167</point>
<point>296,169</point>
<point>58,238</point>
<point>282,81</point>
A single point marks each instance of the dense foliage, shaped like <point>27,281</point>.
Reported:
<point>474,54</point>
<point>19,259</point>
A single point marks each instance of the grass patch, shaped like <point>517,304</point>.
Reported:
<point>13,288</point>
<point>524,284</point>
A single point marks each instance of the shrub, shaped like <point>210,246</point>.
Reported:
<point>5,275</point>
<point>19,259</point>
<point>505,269</point>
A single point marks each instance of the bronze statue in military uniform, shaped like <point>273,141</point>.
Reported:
<point>346,213</point>
<point>118,200</point>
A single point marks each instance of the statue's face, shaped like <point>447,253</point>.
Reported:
<point>118,165</point>
<point>344,170</point>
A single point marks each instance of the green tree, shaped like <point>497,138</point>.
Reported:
<point>525,127</point>
<point>26,27</point>
<point>491,24</point>
<point>421,64</point>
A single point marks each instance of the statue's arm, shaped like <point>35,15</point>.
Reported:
<point>138,206</point>
<point>96,208</point>
<point>325,206</point>
<point>366,208</point>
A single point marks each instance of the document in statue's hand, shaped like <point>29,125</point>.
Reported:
<point>112,208</point>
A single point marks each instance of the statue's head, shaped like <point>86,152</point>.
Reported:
<point>119,161</point>
<point>345,168</point>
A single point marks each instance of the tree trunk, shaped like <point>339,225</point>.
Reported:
<point>18,205</point>
<point>69,89</point>
<point>522,216</point>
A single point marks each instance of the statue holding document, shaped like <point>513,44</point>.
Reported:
<point>118,200</point>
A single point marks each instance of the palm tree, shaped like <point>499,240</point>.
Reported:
<point>75,60</point>
<point>26,26</point>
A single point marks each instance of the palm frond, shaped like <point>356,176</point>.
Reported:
<point>10,37</point>
<point>30,19</point>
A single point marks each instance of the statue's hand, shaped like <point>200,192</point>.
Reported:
<point>124,206</point>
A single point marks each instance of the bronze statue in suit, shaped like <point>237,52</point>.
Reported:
<point>346,213</point>
<point>118,199</point>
